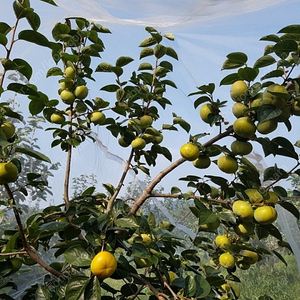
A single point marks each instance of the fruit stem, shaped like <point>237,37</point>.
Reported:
<point>147,192</point>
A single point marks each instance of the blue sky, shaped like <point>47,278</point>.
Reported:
<point>202,46</point>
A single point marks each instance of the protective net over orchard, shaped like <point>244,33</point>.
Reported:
<point>173,147</point>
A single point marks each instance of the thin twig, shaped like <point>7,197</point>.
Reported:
<point>157,294</point>
<point>13,253</point>
<point>121,182</point>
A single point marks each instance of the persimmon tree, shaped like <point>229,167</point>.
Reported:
<point>233,211</point>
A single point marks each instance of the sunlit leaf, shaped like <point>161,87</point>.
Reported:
<point>78,256</point>
<point>43,293</point>
<point>76,287</point>
<point>93,289</point>
<point>149,41</point>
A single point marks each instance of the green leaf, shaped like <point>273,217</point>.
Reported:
<point>33,153</point>
<point>100,28</point>
<point>55,71</point>
<point>222,182</point>
<point>145,66</point>
<point>282,48</point>
<point>273,173</point>
<point>167,65</point>
<point>149,41</point>
<point>290,29</point>
<point>109,187</point>
<point>166,153</point>
<point>146,52</point>
<point>235,60</point>
<point>172,53</point>
<point>285,147</point>
<point>275,73</point>
<point>76,287</point>
<point>270,38</point>
<point>93,289</point>
<point>160,51</point>
<point>4,28</point>
<point>169,82</point>
<point>110,88</point>
<point>59,30</point>
<point>89,191</point>
<point>238,57</point>
<point>34,20</point>
<point>50,2</point>
<point>169,36</point>
<point>280,191</point>
<point>43,293</point>
<point>78,256</point>
<point>267,112</point>
<point>230,79</point>
<point>291,208</point>
<point>201,100</point>
<point>21,11</point>
<point>150,29</point>
<point>34,37</point>
<point>92,50</point>
<point>196,286</point>
<point>264,61</point>
<point>127,222</point>
<point>273,231</point>
<point>9,64</point>
<point>36,106</point>
<point>280,257</point>
<point>104,67</point>
<point>2,215</point>
<point>175,190</point>
<point>22,89</point>
<point>207,88</point>
<point>3,39</point>
<point>123,61</point>
<point>206,216</point>
<point>248,74</point>
<point>23,67</point>
<point>185,125</point>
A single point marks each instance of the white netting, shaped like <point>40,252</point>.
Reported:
<point>165,13</point>
<point>186,19</point>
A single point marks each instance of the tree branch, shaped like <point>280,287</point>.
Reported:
<point>147,192</point>
<point>68,166</point>
<point>29,250</point>
<point>157,294</point>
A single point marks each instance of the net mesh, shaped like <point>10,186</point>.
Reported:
<point>160,13</point>
<point>183,18</point>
